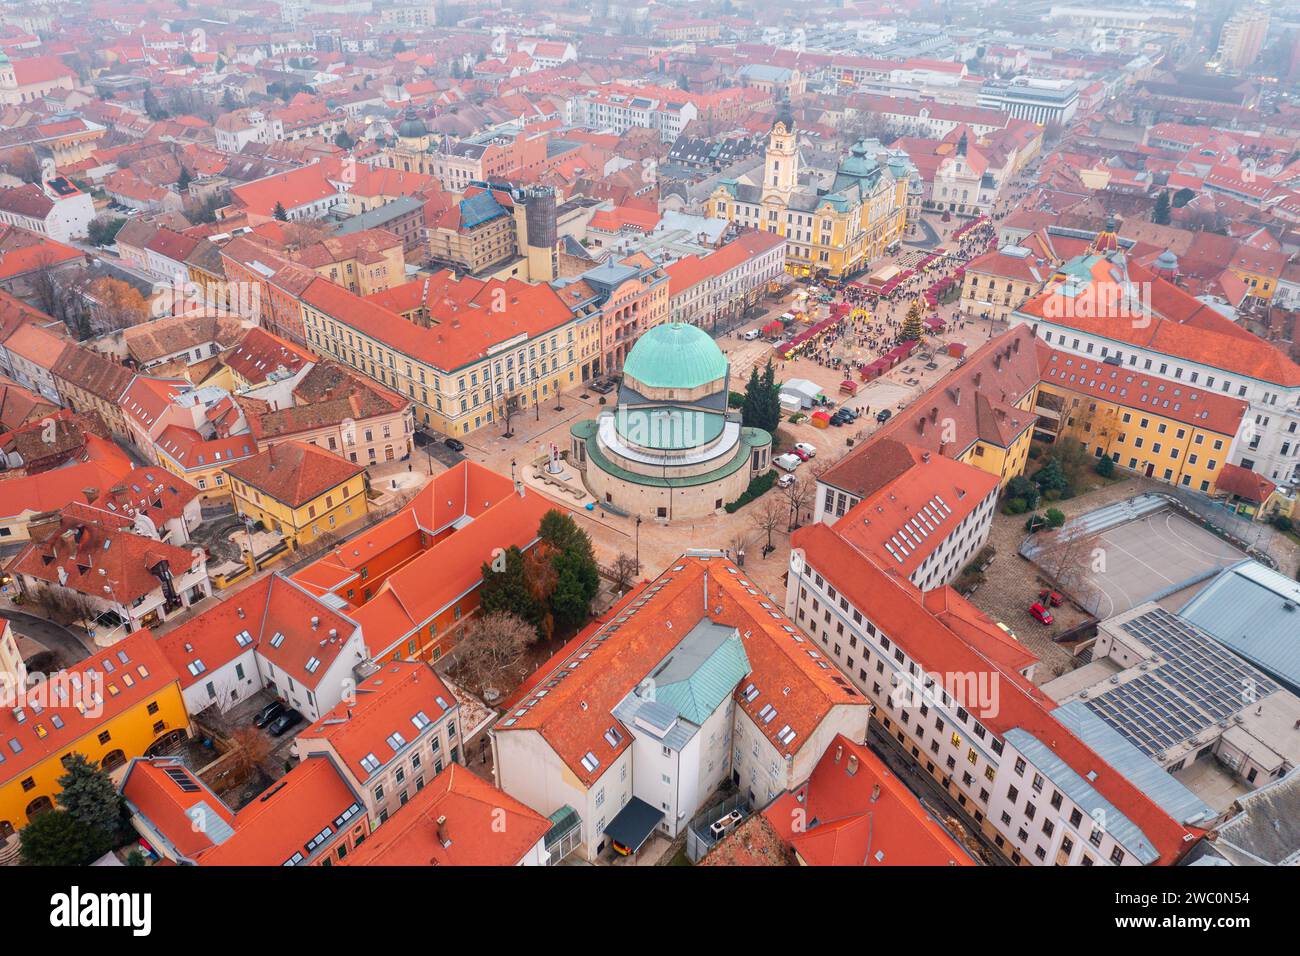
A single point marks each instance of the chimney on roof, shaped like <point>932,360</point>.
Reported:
<point>975,380</point>
<point>442,832</point>
<point>42,527</point>
<point>839,752</point>
<point>91,494</point>
<point>925,457</point>
<point>240,612</point>
<point>934,413</point>
<point>315,622</point>
<point>1015,345</point>
<point>920,424</point>
<point>852,766</point>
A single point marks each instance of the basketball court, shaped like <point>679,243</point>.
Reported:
<point>1142,559</point>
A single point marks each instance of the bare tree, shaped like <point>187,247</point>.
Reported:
<point>540,577</point>
<point>768,517</point>
<point>491,645</point>
<point>799,494</point>
<point>249,749</point>
<point>300,233</point>
<point>1069,557</point>
<point>625,570</point>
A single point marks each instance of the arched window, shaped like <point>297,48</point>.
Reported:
<point>38,806</point>
<point>6,829</point>
<point>112,760</point>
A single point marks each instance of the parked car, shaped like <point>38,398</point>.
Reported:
<point>751,335</point>
<point>803,455</point>
<point>1040,613</point>
<point>785,481</point>
<point>787,462</point>
<point>281,724</point>
<point>883,415</point>
<point>602,386</point>
<point>455,444</point>
<point>807,450</point>
<point>268,713</point>
<point>1050,598</point>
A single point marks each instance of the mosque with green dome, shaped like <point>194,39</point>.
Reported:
<point>670,449</point>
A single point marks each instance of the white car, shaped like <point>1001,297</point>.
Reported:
<point>807,449</point>
<point>785,481</point>
<point>787,462</point>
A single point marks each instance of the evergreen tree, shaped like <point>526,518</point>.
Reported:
<point>762,404</point>
<point>577,576</point>
<point>771,400</point>
<point>1160,215</point>
<point>505,589</point>
<point>57,838</point>
<point>913,327</point>
<point>577,581</point>
<point>152,108</point>
<point>183,181</point>
<point>1051,477</point>
<point>751,410</point>
<point>280,213</point>
<point>89,795</point>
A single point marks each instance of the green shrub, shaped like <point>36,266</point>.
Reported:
<point>1281,522</point>
<point>1035,452</point>
<point>758,487</point>
<point>1015,506</point>
<point>1024,489</point>
<point>735,400</point>
<point>1105,466</point>
<point>1055,517</point>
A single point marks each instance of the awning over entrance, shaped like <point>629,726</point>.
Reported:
<point>633,825</point>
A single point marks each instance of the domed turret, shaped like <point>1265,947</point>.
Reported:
<point>674,357</point>
<point>412,127</point>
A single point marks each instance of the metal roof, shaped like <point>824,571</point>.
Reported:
<point>701,672</point>
<point>1139,769</point>
<point>1064,777</point>
<point>1245,608</point>
<point>675,355</point>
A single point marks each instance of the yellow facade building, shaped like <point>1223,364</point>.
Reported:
<point>121,703</point>
<point>298,490</point>
<point>1138,421</point>
<point>835,233</point>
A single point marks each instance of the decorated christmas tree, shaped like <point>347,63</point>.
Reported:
<point>912,326</point>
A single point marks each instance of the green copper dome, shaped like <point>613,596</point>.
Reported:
<point>675,355</point>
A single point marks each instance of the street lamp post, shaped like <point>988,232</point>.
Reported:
<point>638,544</point>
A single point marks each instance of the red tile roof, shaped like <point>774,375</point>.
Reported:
<point>452,550</point>
<point>905,520</point>
<point>574,715</point>
<point>458,819</point>
<point>1143,393</point>
<point>294,472</point>
<point>278,825</point>
<point>270,607</point>
<point>859,814</point>
<point>179,815</point>
<point>95,549</point>
<point>946,635</point>
<point>463,321</point>
<point>112,682</point>
<point>385,702</point>
<point>1180,325</point>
